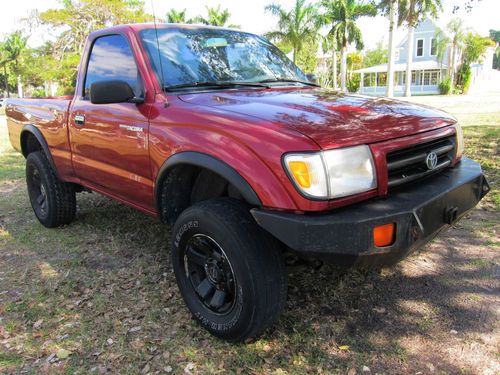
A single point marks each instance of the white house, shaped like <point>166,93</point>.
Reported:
<point>427,71</point>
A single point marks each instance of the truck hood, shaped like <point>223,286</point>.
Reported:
<point>330,118</point>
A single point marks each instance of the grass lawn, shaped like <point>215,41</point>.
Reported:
<point>99,295</point>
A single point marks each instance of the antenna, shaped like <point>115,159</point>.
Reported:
<point>158,45</point>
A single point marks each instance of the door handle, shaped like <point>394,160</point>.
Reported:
<point>79,119</point>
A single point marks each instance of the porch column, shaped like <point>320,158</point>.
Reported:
<point>362,82</point>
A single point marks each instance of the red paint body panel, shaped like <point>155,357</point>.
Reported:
<point>248,129</point>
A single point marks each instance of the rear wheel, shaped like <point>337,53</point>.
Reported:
<point>230,272</point>
<point>53,201</point>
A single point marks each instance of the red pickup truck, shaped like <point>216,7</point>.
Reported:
<point>217,133</point>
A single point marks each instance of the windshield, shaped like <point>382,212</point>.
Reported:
<point>215,55</point>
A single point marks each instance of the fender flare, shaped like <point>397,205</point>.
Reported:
<point>41,140</point>
<point>211,163</point>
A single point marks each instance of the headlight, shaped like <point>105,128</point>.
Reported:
<point>333,173</point>
<point>460,141</point>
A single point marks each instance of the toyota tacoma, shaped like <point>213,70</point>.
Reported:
<point>216,133</point>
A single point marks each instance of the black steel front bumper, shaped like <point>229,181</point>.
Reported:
<point>420,211</point>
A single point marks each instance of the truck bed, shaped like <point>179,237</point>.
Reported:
<point>50,117</point>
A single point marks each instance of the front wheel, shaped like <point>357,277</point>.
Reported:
<point>230,272</point>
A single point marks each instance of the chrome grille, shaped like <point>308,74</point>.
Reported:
<point>409,164</point>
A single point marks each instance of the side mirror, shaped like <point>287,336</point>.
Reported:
<point>312,78</point>
<point>107,92</point>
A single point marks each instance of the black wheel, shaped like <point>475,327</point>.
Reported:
<point>53,201</point>
<point>230,271</point>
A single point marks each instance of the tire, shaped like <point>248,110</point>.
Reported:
<point>240,292</point>
<point>52,200</point>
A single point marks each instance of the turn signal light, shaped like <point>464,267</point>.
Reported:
<point>301,173</point>
<point>383,235</point>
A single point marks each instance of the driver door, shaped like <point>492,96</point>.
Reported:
<point>110,141</point>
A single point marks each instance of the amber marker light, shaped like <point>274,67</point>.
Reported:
<point>300,173</point>
<point>383,235</point>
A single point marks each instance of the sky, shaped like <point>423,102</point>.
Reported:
<point>252,17</point>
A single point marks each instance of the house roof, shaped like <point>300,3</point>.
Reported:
<point>401,67</point>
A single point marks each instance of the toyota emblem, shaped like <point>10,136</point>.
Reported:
<point>431,160</point>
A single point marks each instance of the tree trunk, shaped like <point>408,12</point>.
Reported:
<point>6,80</point>
<point>452,65</point>
<point>409,60</point>
<point>334,63</point>
<point>19,87</point>
<point>390,67</point>
<point>294,56</point>
<point>343,68</point>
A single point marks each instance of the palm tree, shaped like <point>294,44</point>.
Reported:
<point>458,33</point>
<point>412,12</point>
<point>342,16</point>
<point>216,17</point>
<point>391,8</point>
<point>295,27</point>
<point>330,44</point>
<point>442,42</point>
<point>177,16</point>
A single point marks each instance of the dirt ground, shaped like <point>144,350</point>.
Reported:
<point>98,296</point>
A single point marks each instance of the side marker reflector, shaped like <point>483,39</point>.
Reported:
<point>384,235</point>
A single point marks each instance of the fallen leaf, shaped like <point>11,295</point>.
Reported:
<point>352,371</point>
<point>344,347</point>
<point>188,368</point>
<point>134,329</point>
<point>146,369</point>
<point>168,369</point>
<point>366,370</point>
<point>38,324</point>
<point>453,332</point>
<point>63,353</point>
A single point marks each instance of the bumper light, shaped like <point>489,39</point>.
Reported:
<point>383,235</point>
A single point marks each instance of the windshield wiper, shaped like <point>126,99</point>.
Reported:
<point>217,84</point>
<point>270,80</point>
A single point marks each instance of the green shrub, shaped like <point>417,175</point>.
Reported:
<point>464,76</point>
<point>38,93</point>
<point>445,86</point>
<point>353,83</point>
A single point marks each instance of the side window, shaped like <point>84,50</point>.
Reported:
<point>111,59</point>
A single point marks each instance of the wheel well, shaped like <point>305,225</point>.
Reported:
<point>185,184</point>
<point>29,143</point>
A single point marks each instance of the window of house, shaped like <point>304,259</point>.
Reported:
<point>111,59</point>
<point>413,77</point>
<point>420,48</point>
<point>434,77</point>
<point>433,46</point>
<point>427,78</point>
<point>396,55</point>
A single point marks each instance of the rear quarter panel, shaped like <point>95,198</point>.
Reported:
<point>50,117</point>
